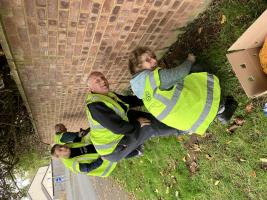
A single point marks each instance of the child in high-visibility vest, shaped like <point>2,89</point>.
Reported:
<point>184,101</point>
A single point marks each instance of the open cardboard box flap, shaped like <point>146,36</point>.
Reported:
<point>254,36</point>
<point>245,58</point>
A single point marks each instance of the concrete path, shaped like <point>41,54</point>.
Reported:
<point>106,189</point>
<point>82,187</point>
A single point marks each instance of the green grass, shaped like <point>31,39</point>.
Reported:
<point>161,172</point>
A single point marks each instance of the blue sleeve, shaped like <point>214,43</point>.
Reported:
<point>86,167</point>
<point>171,76</point>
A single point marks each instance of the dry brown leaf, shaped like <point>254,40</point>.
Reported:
<point>253,174</point>
<point>196,147</point>
<point>180,138</point>
<point>232,128</point>
<point>239,121</point>
<point>249,107</point>
<point>193,167</point>
<point>208,156</point>
<point>199,30</point>
<point>223,19</point>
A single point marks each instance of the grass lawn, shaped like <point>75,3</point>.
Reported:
<point>229,163</point>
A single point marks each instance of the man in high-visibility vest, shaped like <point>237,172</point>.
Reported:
<point>83,159</point>
<point>113,124</point>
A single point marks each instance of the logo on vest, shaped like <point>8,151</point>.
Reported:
<point>147,96</point>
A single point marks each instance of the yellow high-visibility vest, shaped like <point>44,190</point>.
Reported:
<point>103,139</point>
<point>103,170</point>
<point>189,106</point>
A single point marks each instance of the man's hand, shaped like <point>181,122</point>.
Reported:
<point>191,57</point>
<point>84,132</point>
<point>143,121</point>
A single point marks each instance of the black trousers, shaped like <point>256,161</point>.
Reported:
<point>130,143</point>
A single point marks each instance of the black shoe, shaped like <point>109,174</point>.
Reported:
<point>230,107</point>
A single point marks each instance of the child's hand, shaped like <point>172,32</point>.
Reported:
<point>191,57</point>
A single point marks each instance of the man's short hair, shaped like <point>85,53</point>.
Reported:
<point>56,146</point>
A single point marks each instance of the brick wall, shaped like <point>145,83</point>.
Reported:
<point>56,44</point>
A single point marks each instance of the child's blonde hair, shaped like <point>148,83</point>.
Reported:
<point>135,62</point>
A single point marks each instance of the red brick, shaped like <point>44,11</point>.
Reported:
<point>23,34</point>
<point>98,36</point>
<point>32,27</point>
<point>52,42</point>
<point>107,6</point>
<point>52,8</point>
<point>137,24</point>
<point>9,25</point>
<point>34,42</point>
<point>116,10</point>
<point>86,4</point>
<point>96,8</point>
<point>176,4</point>
<point>30,7</point>
<point>120,1</point>
<point>61,49</point>
<point>150,17</point>
<point>41,13</point>
<point>79,37</point>
<point>63,15</point>
<point>166,18</point>
<point>64,4</point>
<point>75,5</point>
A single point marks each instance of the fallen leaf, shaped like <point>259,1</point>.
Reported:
<point>249,107</point>
<point>239,121</point>
<point>167,190</point>
<point>180,138</point>
<point>184,159</point>
<point>193,167</point>
<point>196,147</point>
<point>199,30</point>
<point>263,163</point>
<point>229,142</point>
<point>208,156</point>
<point>223,19</point>
<point>216,182</point>
<point>253,174</point>
<point>232,128</point>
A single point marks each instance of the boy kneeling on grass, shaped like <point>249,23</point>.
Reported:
<point>187,102</point>
<point>85,159</point>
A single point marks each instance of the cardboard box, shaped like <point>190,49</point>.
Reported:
<point>244,57</point>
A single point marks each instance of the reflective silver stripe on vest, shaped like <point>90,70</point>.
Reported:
<point>99,126</point>
<point>106,146</point>
<point>107,169</point>
<point>78,160</point>
<point>169,103</point>
<point>172,102</point>
<point>209,99</point>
